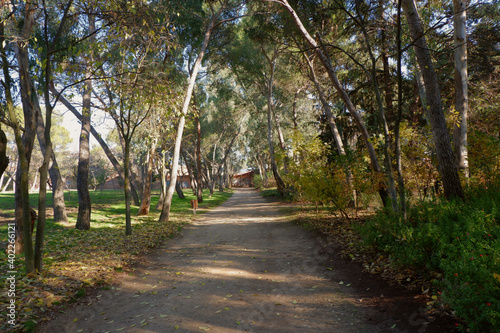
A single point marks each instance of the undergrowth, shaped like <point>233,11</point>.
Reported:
<point>456,244</point>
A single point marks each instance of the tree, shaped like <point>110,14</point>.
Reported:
<point>24,143</point>
<point>341,91</point>
<point>228,11</point>
<point>84,204</point>
<point>446,161</point>
<point>461,84</point>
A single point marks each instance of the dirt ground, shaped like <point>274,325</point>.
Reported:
<point>242,267</point>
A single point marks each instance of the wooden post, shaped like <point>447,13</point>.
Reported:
<point>194,205</point>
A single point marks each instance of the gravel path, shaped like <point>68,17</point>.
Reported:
<point>239,268</point>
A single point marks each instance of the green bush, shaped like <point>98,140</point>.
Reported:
<point>460,241</point>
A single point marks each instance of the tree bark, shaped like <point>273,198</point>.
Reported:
<point>199,188</point>
<point>163,172</point>
<point>4,160</point>
<point>397,136</point>
<point>126,167</point>
<point>461,85</point>
<point>25,143</point>
<point>146,196</point>
<point>274,167</point>
<point>446,160</point>
<point>55,175</point>
<point>84,205</point>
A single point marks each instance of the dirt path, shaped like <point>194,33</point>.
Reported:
<point>239,268</point>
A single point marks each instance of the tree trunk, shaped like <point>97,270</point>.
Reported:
<point>397,136</point>
<point>25,143</point>
<point>163,193</point>
<point>179,192</point>
<point>135,181</point>
<point>165,212</point>
<point>7,184</point>
<point>274,167</point>
<point>199,188</point>
<point>4,160</point>
<point>461,85</point>
<point>281,140</point>
<point>146,196</point>
<point>55,175</point>
<point>382,118</point>
<point>126,169</point>
<point>84,205</point>
<point>99,139</point>
<point>446,160</point>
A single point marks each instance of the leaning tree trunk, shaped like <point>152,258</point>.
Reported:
<point>165,212</point>
<point>100,140</point>
<point>446,161</point>
<point>274,166</point>
<point>342,94</point>
<point>333,127</point>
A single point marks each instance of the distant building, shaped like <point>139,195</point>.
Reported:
<point>243,179</point>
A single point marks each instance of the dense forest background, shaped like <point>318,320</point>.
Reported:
<point>352,104</point>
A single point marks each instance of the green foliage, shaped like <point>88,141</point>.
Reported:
<point>459,243</point>
<point>312,177</point>
<point>484,158</point>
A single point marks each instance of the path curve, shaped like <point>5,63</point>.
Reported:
<point>241,267</point>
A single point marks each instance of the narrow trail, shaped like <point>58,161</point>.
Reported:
<point>240,267</point>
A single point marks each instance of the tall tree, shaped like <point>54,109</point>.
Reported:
<point>226,12</point>
<point>461,84</point>
<point>84,204</point>
<point>325,60</point>
<point>446,161</point>
<point>24,144</point>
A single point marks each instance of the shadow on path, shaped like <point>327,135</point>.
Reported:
<point>240,267</point>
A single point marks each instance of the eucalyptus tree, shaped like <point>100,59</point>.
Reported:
<point>446,161</point>
<point>132,92</point>
<point>82,180</point>
<point>461,83</point>
<point>18,24</point>
<point>214,15</point>
<point>255,58</point>
<point>224,119</point>
<point>332,73</point>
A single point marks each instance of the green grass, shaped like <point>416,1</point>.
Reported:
<point>108,207</point>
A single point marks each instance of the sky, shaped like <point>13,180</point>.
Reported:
<point>102,125</point>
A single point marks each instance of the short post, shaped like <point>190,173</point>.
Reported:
<point>194,206</point>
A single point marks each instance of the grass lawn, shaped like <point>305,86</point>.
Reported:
<point>75,260</point>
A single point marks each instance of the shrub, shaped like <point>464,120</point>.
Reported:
<point>461,241</point>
